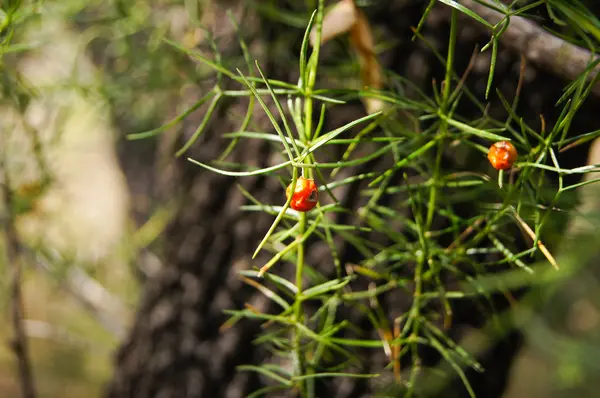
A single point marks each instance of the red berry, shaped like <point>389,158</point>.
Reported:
<point>502,155</point>
<point>305,196</point>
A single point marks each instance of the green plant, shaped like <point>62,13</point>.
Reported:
<point>420,257</point>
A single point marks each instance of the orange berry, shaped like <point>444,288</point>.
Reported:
<point>502,155</point>
<point>305,196</point>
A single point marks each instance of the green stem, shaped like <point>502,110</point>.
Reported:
<point>444,106</point>
<point>414,316</point>
<point>436,176</point>
<point>298,313</point>
<point>307,84</point>
<point>450,59</point>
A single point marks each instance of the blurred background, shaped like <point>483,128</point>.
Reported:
<point>100,219</point>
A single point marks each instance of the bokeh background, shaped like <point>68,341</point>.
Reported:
<point>92,209</point>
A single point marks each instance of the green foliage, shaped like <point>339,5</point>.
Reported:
<point>319,344</point>
<point>434,266</point>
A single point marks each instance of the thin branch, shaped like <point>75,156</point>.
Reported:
<point>102,305</point>
<point>19,342</point>
<point>539,46</point>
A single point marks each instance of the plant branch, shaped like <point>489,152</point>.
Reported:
<point>539,46</point>
<point>13,254</point>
